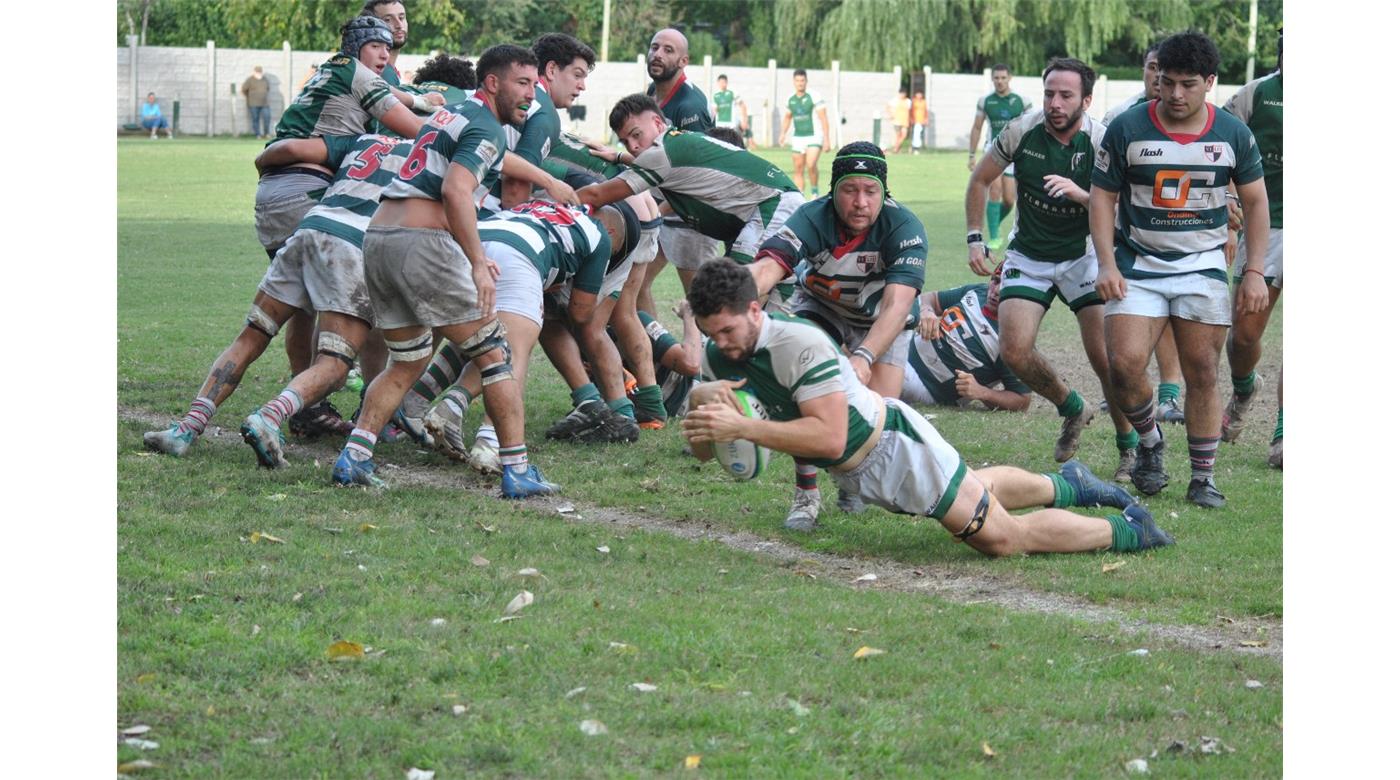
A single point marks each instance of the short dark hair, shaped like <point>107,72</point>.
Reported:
<point>1087,77</point>
<point>799,72</point>
<point>562,50</point>
<point>1189,52</point>
<point>370,5</point>
<point>1151,47</point>
<point>728,135</point>
<point>721,285</point>
<point>722,76</point>
<point>495,60</point>
<point>1001,66</point>
<point>446,69</point>
<point>630,106</point>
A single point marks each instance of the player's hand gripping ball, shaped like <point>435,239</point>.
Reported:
<point>742,459</point>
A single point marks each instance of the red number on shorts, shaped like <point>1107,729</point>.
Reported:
<point>368,160</point>
<point>418,158</point>
<point>548,212</point>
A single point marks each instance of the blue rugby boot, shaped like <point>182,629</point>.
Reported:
<point>1149,535</point>
<point>1090,491</point>
<point>348,471</point>
<point>517,482</point>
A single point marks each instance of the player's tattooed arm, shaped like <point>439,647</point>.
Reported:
<point>222,381</point>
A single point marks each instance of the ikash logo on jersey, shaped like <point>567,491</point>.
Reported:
<point>908,242</point>
<point>1212,152</point>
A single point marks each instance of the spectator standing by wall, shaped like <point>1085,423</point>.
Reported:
<point>259,114</point>
<point>918,120</point>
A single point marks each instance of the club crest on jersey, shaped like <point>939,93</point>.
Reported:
<point>1213,152</point>
<point>866,262</point>
<point>1076,160</point>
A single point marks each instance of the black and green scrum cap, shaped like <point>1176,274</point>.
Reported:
<point>860,158</point>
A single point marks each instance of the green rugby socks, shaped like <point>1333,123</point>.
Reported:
<point>623,407</point>
<point>1125,539</point>
<point>1168,391</point>
<point>1278,427</point>
<point>1126,441</point>
<point>588,392</point>
<point>993,219</point>
<point>649,403</point>
<point>1244,387</point>
<point>1073,405</point>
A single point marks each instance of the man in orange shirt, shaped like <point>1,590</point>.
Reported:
<point>898,110</point>
<point>918,121</point>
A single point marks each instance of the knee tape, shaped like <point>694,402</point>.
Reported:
<point>496,372</point>
<point>410,350</point>
<point>979,518</point>
<point>490,336</point>
<point>261,321</point>
<point>336,346</point>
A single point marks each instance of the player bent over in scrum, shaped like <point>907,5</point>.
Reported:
<point>880,449</point>
<point>429,277</point>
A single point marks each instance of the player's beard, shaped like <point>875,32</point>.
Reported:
<point>666,75</point>
<point>1072,121</point>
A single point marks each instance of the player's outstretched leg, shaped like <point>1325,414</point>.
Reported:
<point>977,516</point>
<point>806,501</point>
<point>264,320</point>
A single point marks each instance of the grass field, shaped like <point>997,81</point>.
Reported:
<point>223,640</point>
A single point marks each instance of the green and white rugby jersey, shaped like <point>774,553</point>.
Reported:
<point>450,95</point>
<point>571,154</point>
<point>849,276</point>
<point>340,99</point>
<point>1172,217</point>
<point>1000,111</point>
<point>563,242</point>
<point>1259,104</point>
<point>686,107</point>
<point>364,167</point>
<point>466,134</point>
<point>1117,111</point>
<point>724,108</point>
<point>391,76</point>
<point>804,110</point>
<point>1048,229</point>
<point>970,341</point>
<point>795,361</point>
<point>713,186</point>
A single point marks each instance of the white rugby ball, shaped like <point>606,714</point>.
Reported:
<point>742,459</point>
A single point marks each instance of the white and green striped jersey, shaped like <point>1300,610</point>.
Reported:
<point>1259,104</point>
<point>804,110</point>
<point>713,186</point>
<point>795,361</point>
<point>340,99</point>
<point>466,134</point>
<point>969,340</point>
<point>1000,111</point>
<point>362,172</point>
<point>1117,111</point>
<point>1172,216</point>
<point>1048,229</point>
<point>847,275</point>
<point>562,241</point>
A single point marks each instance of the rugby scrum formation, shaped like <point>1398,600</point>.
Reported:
<point>429,235</point>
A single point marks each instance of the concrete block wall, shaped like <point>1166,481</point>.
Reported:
<point>186,74</point>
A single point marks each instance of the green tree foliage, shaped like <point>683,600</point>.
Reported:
<point>947,35</point>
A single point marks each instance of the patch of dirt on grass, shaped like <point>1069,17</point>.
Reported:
<point>1249,636</point>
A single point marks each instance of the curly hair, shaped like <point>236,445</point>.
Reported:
<point>455,71</point>
<point>1189,52</point>
<point>721,285</point>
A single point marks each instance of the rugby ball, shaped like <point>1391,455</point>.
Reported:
<point>742,459</point>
